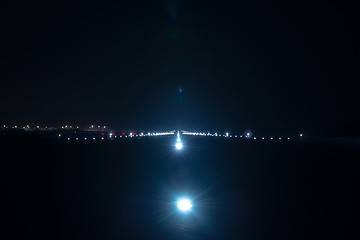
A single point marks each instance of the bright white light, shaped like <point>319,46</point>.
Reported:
<point>69,139</point>
<point>301,135</point>
<point>279,138</point>
<point>85,138</point>
<point>184,205</point>
<point>59,135</point>
<point>288,138</point>
<point>94,138</point>
<point>178,144</point>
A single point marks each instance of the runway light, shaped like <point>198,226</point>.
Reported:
<point>288,138</point>
<point>248,134</point>
<point>184,205</point>
<point>59,135</point>
<point>178,144</point>
<point>85,138</point>
<point>301,134</point>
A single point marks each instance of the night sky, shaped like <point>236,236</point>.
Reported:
<point>279,66</point>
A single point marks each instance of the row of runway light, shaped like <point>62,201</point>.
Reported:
<point>178,144</point>
<point>112,135</point>
<point>247,135</point>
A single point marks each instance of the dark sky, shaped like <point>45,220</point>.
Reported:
<point>267,66</point>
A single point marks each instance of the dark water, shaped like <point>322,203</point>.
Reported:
<point>127,189</point>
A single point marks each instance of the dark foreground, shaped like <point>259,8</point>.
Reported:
<point>126,189</point>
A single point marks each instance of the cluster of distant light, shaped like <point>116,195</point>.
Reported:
<point>91,127</point>
<point>69,127</point>
<point>38,127</point>
<point>27,127</point>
